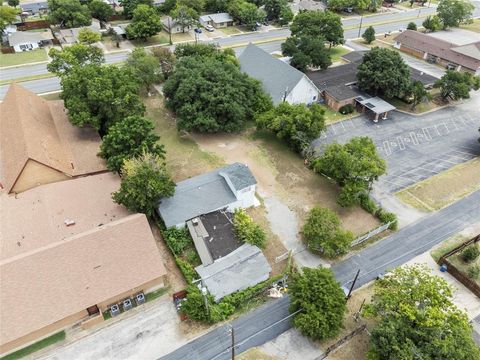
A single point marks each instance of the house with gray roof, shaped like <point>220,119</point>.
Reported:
<point>280,80</point>
<point>219,20</point>
<point>29,40</point>
<point>34,8</point>
<point>229,188</point>
<point>242,268</point>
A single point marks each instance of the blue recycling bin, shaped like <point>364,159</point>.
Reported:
<point>443,268</point>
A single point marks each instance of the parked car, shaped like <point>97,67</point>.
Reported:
<point>198,30</point>
<point>209,28</point>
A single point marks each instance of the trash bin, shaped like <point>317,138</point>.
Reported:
<point>443,268</point>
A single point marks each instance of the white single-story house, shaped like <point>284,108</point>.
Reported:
<point>27,40</point>
<point>230,188</point>
<point>219,20</point>
<point>280,80</point>
<point>173,27</point>
<point>34,7</point>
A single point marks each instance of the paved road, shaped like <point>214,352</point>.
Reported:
<point>415,148</point>
<point>253,329</point>
<point>409,242</point>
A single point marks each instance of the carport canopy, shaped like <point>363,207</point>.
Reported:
<point>375,104</point>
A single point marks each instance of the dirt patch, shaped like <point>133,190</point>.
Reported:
<point>255,354</point>
<point>443,189</point>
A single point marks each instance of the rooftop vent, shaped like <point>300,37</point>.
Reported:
<point>69,222</point>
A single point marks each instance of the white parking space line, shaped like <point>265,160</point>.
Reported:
<point>387,148</point>
<point>400,143</point>
<point>427,134</point>
<point>414,138</point>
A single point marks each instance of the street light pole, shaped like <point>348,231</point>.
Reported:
<point>360,27</point>
<point>353,284</point>
<point>232,331</point>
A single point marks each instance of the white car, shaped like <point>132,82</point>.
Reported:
<point>209,28</point>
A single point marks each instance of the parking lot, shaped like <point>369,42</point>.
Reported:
<point>416,147</point>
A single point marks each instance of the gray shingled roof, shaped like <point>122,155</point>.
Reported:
<point>275,75</point>
<point>242,268</point>
<point>24,37</point>
<point>204,193</point>
<point>217,18</point>
<point>34,7</point>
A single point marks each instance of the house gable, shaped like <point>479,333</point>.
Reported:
<point>34,174</point>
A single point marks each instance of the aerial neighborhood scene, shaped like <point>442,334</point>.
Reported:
<point>240,179</point>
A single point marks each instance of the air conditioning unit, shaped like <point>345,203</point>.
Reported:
<point>195,222</point>
<point>114,310</point>
<point>140,298</point>
<point>127,304</point>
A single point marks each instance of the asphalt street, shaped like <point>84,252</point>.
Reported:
<point>253,329</point>
<point>415,148</point>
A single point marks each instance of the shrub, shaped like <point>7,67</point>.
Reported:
<point>474,272</point>
<point>177,239</point>
<point>346,109</point>
<point>187,269</point>
<point>470,253</point>
<point>192,257</point>
<point>367,204</point>
<point>194,305</point>
<point>386,217</point>
<point>247,230</point>
<point>412,26</point>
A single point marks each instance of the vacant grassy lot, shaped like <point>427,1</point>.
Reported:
<point>159,39</point>
<point>447,245</point>
<point>24,57</point>
<point>445,188</point>
<point>255,354</point>
<point>425,106</point>
<point>474,26</point>
<point>457,261</point>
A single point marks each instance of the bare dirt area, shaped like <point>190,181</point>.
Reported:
<point>445,188</point>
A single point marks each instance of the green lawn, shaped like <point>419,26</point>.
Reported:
<point>332,116</point>
<point>36,346</point>
<point>23,57</point>
<point>474,26</point>
<point>159,39</point>
<point>337,52</point>
<point>230,30</point>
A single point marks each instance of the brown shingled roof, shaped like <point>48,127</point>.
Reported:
<point>48,284</point>
<point>437,47</point>
<point>33,128</point>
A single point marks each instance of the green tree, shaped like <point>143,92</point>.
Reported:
<point>184,16</point>
<point>307,51</point>
<point>417,319</point>
<point>322,232</point>
<point>209,50</point>
<point>128,138</point>
<point>369,35</point>
<point>211,95</point>
<point>145,23</point>
<point>432,23</point>
<point>99,95</point>
<point>453,13</point>
<point>197,5</point>
<point>456,85</point>
<point>168,6</point>
<point>88,37</point>
<point>7,16</point>
<point>384,72</point>
<point>412,26</point>
<point>319,24</point>
<point>166,60</point>
<point>145,67</point>
<point>13,3</point>
<point>100,10</point>
<point>129,6</point>
<point>320,301</point>
<point>69,13</point>
<point>286,15</point>
<point>247,230</point>
<point>62,61</point>
<point>145,180</point>
<point>250,15</point>
<point>354,167</point>
<point>216,5</point>
<point>418,93</point>
<point>297,124</point>
<point>273,8</point>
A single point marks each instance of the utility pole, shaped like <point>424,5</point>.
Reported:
<point>169,30</point>
<point>360,27</point>
<point>233,341</point>
<point>353,284</point>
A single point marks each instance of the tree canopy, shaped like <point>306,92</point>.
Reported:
<point>129,6</point>
<point>455,85</point>
<point>297,124</point>
<point>452,13</point>
<point>320,300</point>
<point>369,35</point>
<point>101,10</point>
<point>69,13</point>
<point>184,16</point>
<point>359,5</point>
<point>211,95</point>
<point>354,166</point>
<point>7,16</point>
<point>417,319</point>
<point>166,59</point>
<point>307,51</point>
<point>145,23</point>
<point>144,67</point>
<point>100,95</point>
<point>383,72</point>
<point>145,180</point>
<point>62,61</point>
<point>127,138</point>
<point>432,23</point>
<point>197,5</point>
<point>88,37</point>
<point>246,13</point>
<point>278,10</point>
<point>418,93</point>
<point>323,233</point>
<point>319,24</point>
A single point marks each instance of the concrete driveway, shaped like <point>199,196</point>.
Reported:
<point>415,147</point>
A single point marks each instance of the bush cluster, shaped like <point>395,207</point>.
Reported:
<point>474,272</point>
<point>247,230</point>
<point>177,239</point>
<point>386,217</point>
<point>470,253</point>
<point>187,269</point>
<point>346,109</point>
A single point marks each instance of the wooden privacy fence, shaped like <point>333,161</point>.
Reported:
<point>465,280</point>
<point>32,25</point>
